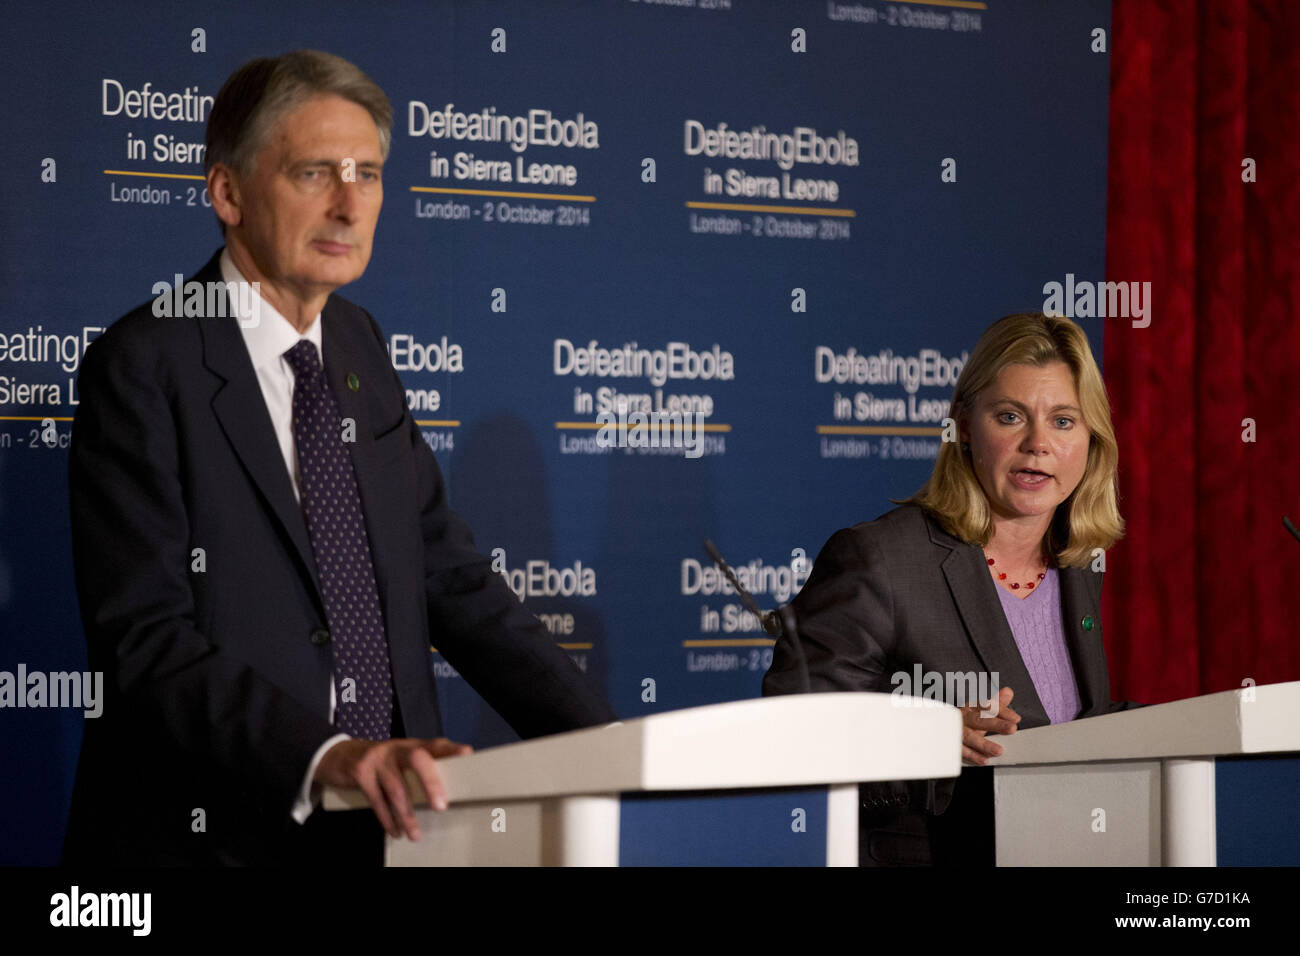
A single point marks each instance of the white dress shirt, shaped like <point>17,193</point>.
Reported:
<point>267,341</point>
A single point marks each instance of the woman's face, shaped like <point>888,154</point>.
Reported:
<point>1028,440</point>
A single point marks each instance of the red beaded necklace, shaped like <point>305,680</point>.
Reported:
<point>1002,576</point>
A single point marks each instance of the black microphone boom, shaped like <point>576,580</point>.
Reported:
<point>775,623</point>
<point>1290,527</point>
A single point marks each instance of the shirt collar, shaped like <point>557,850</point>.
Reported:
<point>272,335</point>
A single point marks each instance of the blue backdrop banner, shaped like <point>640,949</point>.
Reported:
<point>784,223</point>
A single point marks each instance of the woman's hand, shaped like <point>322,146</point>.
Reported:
<point>975,748</point>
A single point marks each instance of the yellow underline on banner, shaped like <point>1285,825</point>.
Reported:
<point>498,192</point>
<point>583,646</point>
<point>133,172</point>
<point>745,207</point>
<point>875,430</point>
<point>732,642</point>
<point>437,423</point>
<point>34,418</point>
<point>596,425</point>
<point>966,4</point>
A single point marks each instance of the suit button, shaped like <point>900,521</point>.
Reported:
<point>320,636</point>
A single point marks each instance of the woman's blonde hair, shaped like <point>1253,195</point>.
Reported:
<point>1089,518</point>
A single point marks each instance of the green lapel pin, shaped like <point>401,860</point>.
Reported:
<point>1087,622</point>
<point>354,383</point>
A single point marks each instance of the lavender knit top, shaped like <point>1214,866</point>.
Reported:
<point>1039,630</point>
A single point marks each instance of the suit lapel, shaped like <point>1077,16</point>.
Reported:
<point>976,597</point>
<point>1077,602</point>
<point>342,361</point>
<point>338,350</point>
<point>241,411</point>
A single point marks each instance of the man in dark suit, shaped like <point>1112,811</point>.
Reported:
<point>263,545</point>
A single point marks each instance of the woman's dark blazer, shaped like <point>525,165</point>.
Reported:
<point>889,594</point>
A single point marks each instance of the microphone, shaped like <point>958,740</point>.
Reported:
<point>775,623</point>
<point>1290,527</point>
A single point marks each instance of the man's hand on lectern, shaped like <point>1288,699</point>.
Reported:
<point>974,747</point>
<point>377,768</point>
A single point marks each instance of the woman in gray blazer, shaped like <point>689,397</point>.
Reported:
<point>983,586</point>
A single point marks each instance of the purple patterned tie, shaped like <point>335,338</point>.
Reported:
<point>332,506</point>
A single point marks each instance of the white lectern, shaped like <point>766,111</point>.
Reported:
<point>556,800</point>
<point>1134,788</point>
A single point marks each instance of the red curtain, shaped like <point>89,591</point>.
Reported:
<point>1203,592</point>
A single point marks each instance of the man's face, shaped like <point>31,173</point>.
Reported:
<point>1028,419</point>
<point>307,228</point>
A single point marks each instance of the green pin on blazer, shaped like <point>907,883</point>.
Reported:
<point>1087,622</point>
<point>354,383</point>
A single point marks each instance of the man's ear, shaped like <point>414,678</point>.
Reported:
<point>223,190</point>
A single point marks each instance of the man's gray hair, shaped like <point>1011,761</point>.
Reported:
<point>263,91</point>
